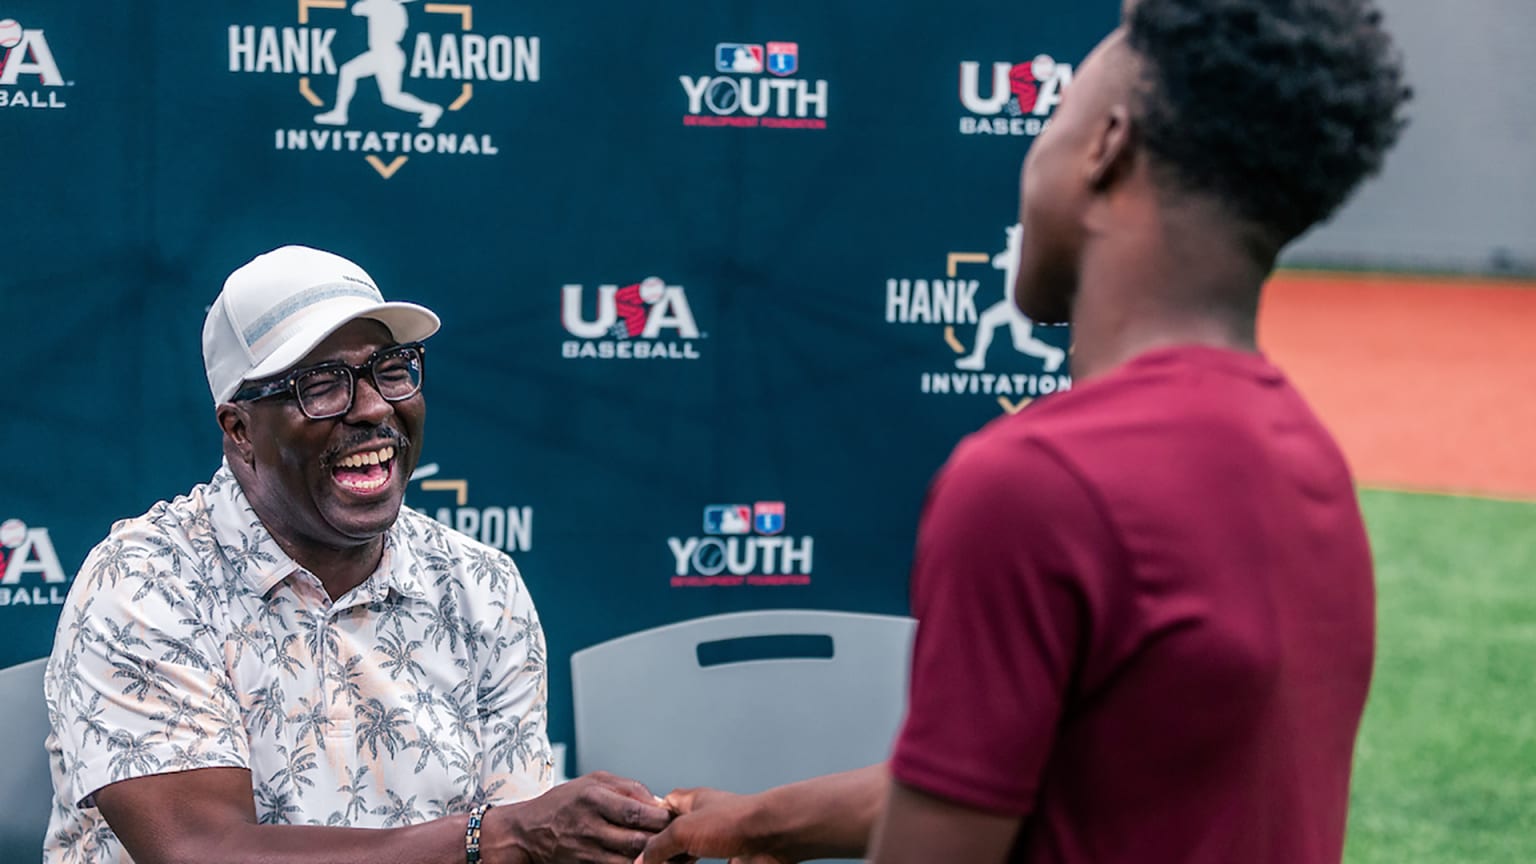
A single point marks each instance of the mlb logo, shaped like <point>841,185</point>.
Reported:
<point>768,517</point>
<point>783,58</point>
<point>727,519</point>
<point>738,57</point>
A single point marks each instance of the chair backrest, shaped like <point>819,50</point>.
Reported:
<point>26,787</point>
<point>743,701</point>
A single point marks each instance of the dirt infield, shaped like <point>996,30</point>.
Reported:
<point>1429,384</point>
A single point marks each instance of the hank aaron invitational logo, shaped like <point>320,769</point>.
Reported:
<point>743,544</point>
<point>649,320</point>
<point>29,74</point>
<point>385,80</point>
<point>753,87</point>
<point>447,500</point>
<point>1019,96</point>
<point>30,573</point>
<point>1027,363</point>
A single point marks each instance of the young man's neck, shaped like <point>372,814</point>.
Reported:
<point>1166,280</point>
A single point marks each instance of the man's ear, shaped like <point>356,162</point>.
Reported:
<point>235,419</point>
<point>1113,151</point>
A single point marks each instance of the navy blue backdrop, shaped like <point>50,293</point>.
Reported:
<point>713,276</point>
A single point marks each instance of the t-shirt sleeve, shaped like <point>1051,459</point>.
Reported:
<point>513,698</point>
<point>136,685</point>
<point>1007,546</point>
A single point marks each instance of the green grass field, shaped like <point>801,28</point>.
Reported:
<point>1445,770</point>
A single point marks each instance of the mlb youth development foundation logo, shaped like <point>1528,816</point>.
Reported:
<point>997,351</point>
<point>30,573</point>
<point>1020,96</point>
<point>739,94</point>
<point>649,320</point>
<point>742,545</point>
<point>385,80</point>
<point>447,500</point>
<point>29,74</point>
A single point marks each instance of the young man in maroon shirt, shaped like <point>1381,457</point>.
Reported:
<point>1146,604</point>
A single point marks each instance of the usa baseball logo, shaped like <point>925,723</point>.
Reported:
<point>29,73</point>
<point>1019,96</point>
<point>30,572</point>
<point>645,320</point>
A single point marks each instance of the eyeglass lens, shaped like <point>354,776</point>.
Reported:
<point>328,391</point>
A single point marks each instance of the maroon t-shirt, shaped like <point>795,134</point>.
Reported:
<point>1146,621</point>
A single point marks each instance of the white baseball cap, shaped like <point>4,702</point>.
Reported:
<point>279,306</point>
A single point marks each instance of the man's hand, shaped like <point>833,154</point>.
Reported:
<point>711,824</point>
<point>594,819</point>
<point>823,817</point>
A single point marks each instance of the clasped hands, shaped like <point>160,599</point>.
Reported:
<point>605,819</point>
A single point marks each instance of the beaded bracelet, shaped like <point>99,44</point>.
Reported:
<point>472,834</point>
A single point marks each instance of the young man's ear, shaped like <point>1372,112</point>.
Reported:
<point>1112,153</point>
<point>235,419</point>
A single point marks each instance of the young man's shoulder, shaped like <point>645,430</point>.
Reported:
<point>1192,386</point>
<point>1190,411</point>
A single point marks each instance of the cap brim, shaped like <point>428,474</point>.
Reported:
<point>407,322</point>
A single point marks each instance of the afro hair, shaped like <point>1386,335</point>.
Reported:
<point>1279,108</point>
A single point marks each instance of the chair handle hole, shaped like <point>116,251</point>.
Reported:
<point>745,649</point>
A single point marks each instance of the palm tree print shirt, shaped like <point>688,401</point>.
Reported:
<point>190,640</point>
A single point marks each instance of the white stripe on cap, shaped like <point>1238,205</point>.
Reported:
<point>278,316</point>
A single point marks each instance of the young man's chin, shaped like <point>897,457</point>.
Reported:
<point>1043,310</point>
<point>1044,291</point>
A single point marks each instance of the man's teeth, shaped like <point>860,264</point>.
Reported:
<point>376,457</point>
<point>365,485</point>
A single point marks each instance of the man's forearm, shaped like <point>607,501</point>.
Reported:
<point>440,841</point>
<point>825,816</point>
<point>208,815</point>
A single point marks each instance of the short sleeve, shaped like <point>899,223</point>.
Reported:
<point>1008,543</point>
<point>136,683</point>
<point>513,694</point>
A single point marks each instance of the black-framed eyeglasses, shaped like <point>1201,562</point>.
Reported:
<point>326,390</point>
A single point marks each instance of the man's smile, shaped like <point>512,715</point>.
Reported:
<point>365,472</point>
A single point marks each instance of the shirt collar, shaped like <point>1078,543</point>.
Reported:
<point>397,567</point>
<point>256,558</point>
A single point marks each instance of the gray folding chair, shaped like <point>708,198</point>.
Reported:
<point>744,701</point>
<point>26,787</point>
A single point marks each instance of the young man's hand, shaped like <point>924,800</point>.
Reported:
<point>712,824</point>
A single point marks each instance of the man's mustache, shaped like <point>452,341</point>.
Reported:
<point>363,437</point>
